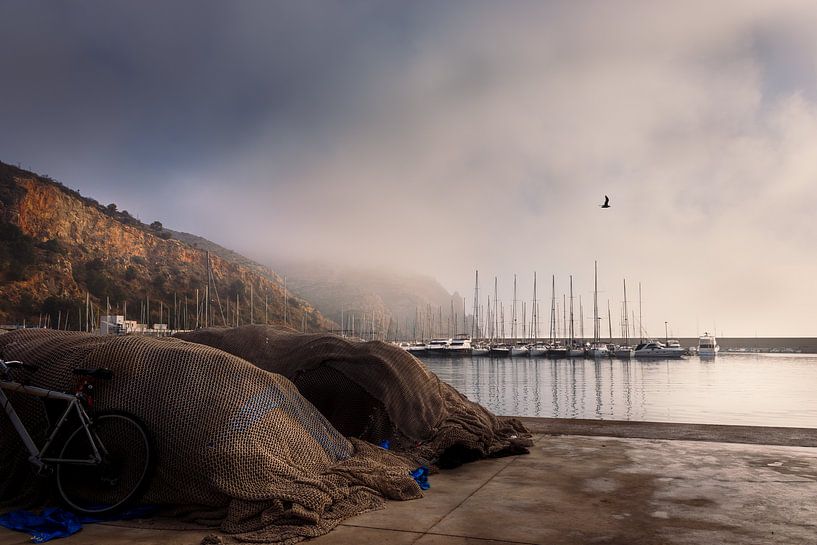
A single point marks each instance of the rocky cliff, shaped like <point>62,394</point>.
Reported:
<point>58,248</point>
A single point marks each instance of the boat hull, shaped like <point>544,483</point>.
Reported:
<point>659,354</point>
<point>459,352</point>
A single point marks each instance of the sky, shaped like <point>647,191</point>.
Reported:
<point>445,137</point>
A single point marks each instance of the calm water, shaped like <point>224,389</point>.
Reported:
<point>753,389</point>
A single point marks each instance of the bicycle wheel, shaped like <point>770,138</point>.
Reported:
<point>126,454</point>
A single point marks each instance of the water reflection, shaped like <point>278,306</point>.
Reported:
<point>757,389</point>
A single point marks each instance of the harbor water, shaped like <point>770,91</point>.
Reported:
<point>739,389</point>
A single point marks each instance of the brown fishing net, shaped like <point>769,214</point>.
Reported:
<point>376,391</point>
<point>230,437</point>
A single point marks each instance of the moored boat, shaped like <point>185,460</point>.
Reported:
<point>460,345</point>
<point>480,350</point>
<point>598,350</point>
<point>437,347</point>
<point>416,348</point>
<point>557,351</point>
<point>500,350</point>
<point>657,349</point>
<point>576,351</point>
<point>537,350</point>
<point>624,351</point>
<point>708,346</point>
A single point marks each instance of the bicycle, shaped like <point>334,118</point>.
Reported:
<point>104,463</point>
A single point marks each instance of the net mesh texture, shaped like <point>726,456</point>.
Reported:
<point>237,444</point>
<point>376,391</point>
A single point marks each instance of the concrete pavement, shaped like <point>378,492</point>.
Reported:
<point>588,489</point>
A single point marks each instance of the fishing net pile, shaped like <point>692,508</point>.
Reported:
<point>239,443</point>
<point>376,392</point>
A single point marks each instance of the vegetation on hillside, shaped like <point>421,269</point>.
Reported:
<point>48,282</point>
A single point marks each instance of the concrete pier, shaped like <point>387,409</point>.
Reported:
<point>590,482</point>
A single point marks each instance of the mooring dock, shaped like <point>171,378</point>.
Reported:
<point>588,482</point>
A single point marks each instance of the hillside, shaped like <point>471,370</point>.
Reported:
<point>395,301</point>
<point>57,247</point>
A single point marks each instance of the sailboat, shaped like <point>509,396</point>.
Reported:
<point>478,348</point>
<point>625,350</point>
<point>537,349</point>
<point>519,348</point>
<point>598,349</point>
<point>498,350</point>
<point>574,350</point>
<point>556,350</point>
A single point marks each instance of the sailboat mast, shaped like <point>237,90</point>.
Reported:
<point>572,333</point>
<point>640,323</point>
<point>626,323</point>
<point>496,311</point>
<point>475,323</point>
<point>595,302</point>
<point>552,309</point>
<point>534,314</point>
<point>513,310</point>
<point>609,323</point>
<point>581,318</point>
<point>564,317</point>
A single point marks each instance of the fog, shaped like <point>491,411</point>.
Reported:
<point>447,137</point>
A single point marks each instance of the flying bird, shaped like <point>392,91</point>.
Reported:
<point>606,202</point>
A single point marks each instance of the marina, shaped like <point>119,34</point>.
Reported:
<point>770,389</point>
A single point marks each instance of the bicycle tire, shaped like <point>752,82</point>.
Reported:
<point>127,460</point>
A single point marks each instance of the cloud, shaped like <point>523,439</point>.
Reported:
<point>443,138</point>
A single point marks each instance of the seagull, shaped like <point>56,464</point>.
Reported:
<point>606,202</point>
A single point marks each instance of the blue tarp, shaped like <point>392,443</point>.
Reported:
<point>54,522</point>
<point>421,476</point>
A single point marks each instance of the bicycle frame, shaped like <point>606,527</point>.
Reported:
<point>37,456</point>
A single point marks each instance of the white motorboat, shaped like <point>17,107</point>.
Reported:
<point>416,348</point>
<point>708,346</point>
<point>437,347</point>
<point>674,345</point>
<point>657,349</point>
<point>460,345</point>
